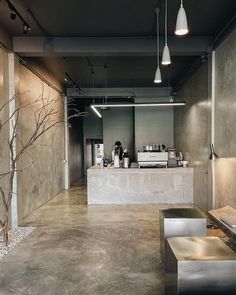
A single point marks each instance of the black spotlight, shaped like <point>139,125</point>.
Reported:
<point>13,15</point>
<point>66,78</point>
<point>26,28</point>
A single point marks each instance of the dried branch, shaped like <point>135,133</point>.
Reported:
<point>46,116</point>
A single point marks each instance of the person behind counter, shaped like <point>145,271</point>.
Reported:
<point>118,154</point>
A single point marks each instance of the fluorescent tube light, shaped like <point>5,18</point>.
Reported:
<point>142,104</point>
<point>93,107</point>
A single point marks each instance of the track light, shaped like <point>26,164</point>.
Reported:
<point>181,22</point>
<point>70,81</point>
<point>13,15</point>
<point>213,154</point>
<point>66,77</point>
<point>26,28</point>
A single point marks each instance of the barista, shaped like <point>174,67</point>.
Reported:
<point>117,154</point>
<point>119,150</point>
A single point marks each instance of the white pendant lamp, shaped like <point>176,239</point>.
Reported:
<point>157,78</point>
<point>166,52</point>
<point>181,22</point>
<point>166,56</point>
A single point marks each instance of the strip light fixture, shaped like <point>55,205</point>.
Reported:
<point>93,107</point>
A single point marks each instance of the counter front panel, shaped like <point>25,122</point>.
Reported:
<point>140,186</point>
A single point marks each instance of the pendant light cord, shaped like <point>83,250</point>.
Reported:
<point>105,80</point>
<point>158,36</point>
<point>166,23</point>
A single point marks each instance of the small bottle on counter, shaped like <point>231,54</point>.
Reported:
<point>126,159</point>
<point>116,161</point>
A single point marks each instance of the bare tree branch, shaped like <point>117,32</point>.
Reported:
<point>47,115</point>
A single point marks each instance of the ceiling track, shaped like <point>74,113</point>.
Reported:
<point>24,63</point>
<point>38,23</point>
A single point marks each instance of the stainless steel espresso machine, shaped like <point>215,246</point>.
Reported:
<point>154,156</point>
<point>152,159</point>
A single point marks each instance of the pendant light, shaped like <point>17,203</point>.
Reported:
<point>181,22</point>
<point>166,52</point>
<point>157,78</point>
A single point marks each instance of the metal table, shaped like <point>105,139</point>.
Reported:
<point>181,222</point>
<point>202,265</point>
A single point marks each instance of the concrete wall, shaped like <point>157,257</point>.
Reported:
<point>43,168</point>
<point>133,127</point>
<point>92,125</point>
<point>225,117</point>
<point>76,149</point>
<point>118,124</point>
<point>6,39</point>
<point>4,131</point>
<point>192,130</point>
<point>154,125</point>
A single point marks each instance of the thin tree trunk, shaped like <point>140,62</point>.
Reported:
<point>5,233</point>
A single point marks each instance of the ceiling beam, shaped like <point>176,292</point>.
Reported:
<point>93,46</point>
<point>133,92</point>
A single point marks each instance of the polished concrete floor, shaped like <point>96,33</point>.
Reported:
<point>79,250</point>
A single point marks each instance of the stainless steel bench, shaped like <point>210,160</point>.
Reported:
<point>199,265</point>
<point>181,222</point>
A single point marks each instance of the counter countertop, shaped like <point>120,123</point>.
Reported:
<point>98,169</point>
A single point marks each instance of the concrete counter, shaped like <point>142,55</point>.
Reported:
<point>140,186</point>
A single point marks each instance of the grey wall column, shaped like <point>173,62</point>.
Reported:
<point>66,144</point>
<point>213,96</point>
<point>12,121</point>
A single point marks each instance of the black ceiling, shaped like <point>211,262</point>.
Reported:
<point>126,18</point>
<point>122,71</point>
<point>117,18</point>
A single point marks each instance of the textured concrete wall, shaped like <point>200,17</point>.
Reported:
<point>192,129</point>
<point>43,168</point>
<point>225,128</point>
<point>6,39</point>
<point>92,125</point>
<point>118,124</point>
<point>4,131</point>
<point>154,124</point>
<point>76,149</point>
